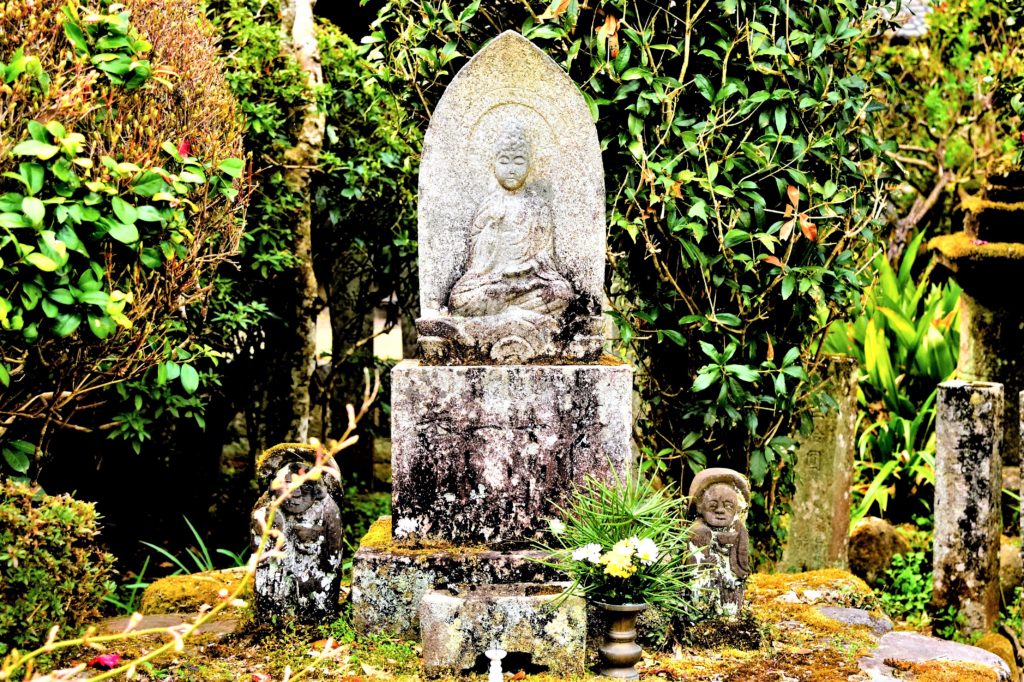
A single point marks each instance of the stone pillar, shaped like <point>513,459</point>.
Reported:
<point>819,525</point>
<point>1020,479</point>
<point>968,483</point>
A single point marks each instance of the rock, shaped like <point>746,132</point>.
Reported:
<point>908,655</point>
<point>389,579</point>
<point>968,491</point>
<point>218,627</point>
<point>878,624</point>
<point>460,622</point>
<point>819,521</point>
<point>1000,646</point>
<point>187,593</point>
<point>511,150</point>
<point>873,544</point>
<point>1011,571</point>
<point>483,454</point>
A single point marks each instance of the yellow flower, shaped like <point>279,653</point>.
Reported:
<point>618,562</point>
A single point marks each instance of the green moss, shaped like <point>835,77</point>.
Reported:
<point>186,593</point>
<point>283,446</point>
<point>975,204</point>
<point>954,249</point>
<point>378,538</point>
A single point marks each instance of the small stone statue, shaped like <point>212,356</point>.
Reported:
<point>304,583</point>
<point>510,303</point>
<point>718,539</point>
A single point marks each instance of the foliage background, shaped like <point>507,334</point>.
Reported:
<point>743,181</point>
<point>115,215</point>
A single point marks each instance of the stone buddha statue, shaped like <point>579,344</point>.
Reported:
<point>511,262</point>
<point>511,303</point>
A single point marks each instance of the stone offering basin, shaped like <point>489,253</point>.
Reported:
<point>460,621</point>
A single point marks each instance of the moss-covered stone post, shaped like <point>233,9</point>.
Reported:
<point>968,483</point>
<point>820,519</point>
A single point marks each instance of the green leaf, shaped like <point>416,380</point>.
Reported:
<point>13,220</point>
<point>231,167</point>
<point>674,336</point>
<point>62,296</point>
<point>40,150</point>
<point>780,120</point>
<point>705,379</point>
<point>66,324</point>
<point>149,214</point>
<point>126,234</point>
<point>33,173</point>
<point>124,211</point>
<point>74,33</point>
<point>189,378</point>
<point>34,209</point>
<point>148,184</point>
<point>101,326</point>
<point>17,460</point>
<point>787,286</point>
<point>44,263</point>
<point>5,375</point>
<point>99,298</point>
<point>743,373</point>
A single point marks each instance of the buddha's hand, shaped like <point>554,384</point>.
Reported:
<point>519,269</point>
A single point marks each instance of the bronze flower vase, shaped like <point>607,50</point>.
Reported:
<point>620,652</point>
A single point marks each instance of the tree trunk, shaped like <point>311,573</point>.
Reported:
<point>288,403</point>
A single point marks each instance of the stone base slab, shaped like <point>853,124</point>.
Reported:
<point>461,621</point>
<point>482,454</point>
<point>390,578</point>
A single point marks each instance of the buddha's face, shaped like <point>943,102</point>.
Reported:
<point>301,499</point>
<point>719,506</point>
<point>511,166</point>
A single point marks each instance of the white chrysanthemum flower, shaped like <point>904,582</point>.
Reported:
<point>591,553</point>
<point>646,551</point>
<point>556,526</point>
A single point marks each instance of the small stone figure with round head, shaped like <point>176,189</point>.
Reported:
<point>718,538</point>
<point>303,581</point>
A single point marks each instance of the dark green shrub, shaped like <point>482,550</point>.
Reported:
<point>743,180</point>
<point>119,155</point>
<point>52,571</point>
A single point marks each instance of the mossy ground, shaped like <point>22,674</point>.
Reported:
<point>793,641</point>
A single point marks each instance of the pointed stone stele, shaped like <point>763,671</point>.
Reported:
<point>819,526</point>
<point>512,404</point>
<point>511,214</point>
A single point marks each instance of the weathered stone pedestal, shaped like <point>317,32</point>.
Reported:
<point>460,621</point>
<point>483,454</point>
<point>820,518</point>
<point>968,478</point>
<point>389,578</point>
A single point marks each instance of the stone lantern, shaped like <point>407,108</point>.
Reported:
<point>986,258</point>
